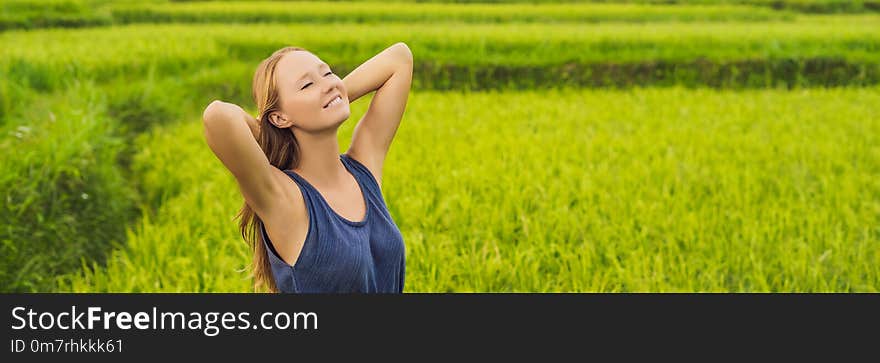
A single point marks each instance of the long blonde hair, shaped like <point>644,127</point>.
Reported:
<point>282,150</point>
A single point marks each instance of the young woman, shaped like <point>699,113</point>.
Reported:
<point>315,219</point>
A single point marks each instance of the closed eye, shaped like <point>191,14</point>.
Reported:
<point>310,83</point>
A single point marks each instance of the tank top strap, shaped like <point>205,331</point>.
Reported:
<point>311,196</point>
<point>364,175</point>
<point>303,184</point>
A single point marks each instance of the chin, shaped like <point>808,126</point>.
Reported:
<point>341,118</point>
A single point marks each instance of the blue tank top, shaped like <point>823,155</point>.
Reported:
<point>340,255</point>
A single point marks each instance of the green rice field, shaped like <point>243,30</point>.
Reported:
<point>616,146</point>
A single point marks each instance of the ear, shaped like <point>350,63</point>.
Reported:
<point>280,120</point>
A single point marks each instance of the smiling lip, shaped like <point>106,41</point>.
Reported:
<point>331,100</point>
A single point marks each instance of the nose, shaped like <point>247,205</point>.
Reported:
<point>332,83</point>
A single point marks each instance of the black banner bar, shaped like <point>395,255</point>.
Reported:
<point>225,325</point>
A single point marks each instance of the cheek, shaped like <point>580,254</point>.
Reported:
<point>306,110</point>
<point>297,105</point>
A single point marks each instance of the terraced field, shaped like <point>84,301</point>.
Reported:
<point>617,146</point>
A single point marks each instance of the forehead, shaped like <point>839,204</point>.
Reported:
<point>297,63</point>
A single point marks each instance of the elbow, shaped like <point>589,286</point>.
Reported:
<point>211,111</point>
<point>211,119</point>
<point>404,52</point>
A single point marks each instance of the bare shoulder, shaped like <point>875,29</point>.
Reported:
<point>286,218</point>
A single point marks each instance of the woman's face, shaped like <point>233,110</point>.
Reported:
<point>306,85</point>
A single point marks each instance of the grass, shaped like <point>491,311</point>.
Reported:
<point>636,190</point>
<point>736,171</point>
<point>30,14</point>
<point>826,51</point>
<point>383,13</point>
<point>33,14</point>
<point>64,198</point>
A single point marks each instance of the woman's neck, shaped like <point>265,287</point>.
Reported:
<point>319,158</point>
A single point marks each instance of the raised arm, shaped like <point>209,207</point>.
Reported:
<point>389,73</point>
<point>230,133</point>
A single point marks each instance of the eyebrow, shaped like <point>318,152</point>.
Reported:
<point>307,73</point>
